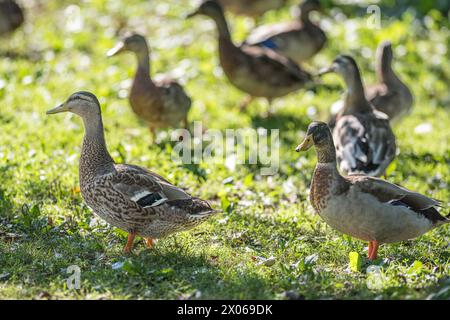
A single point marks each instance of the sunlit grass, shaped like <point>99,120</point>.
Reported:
<point>45,226</point>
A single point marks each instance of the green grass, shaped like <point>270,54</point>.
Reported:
<point>45,227</point>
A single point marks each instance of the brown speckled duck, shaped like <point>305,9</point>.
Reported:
<point>128,197</point>
<point>11,16</point>
<point>162,103</point>
<point>364,139</point>
<point>390,95</point>
<point>365,207</point>
<point>258,71</point>
<point>299,40</point>
<point>251,8</point>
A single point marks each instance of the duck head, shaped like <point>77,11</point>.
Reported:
<point>384,55</point>
<point>318,135</point>
<point>310,5</point>
<point>343,65</point>
<point>82,103</point>
<point>133,42</point>
<point>207,8</point>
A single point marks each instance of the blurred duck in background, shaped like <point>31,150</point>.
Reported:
<point>258,71</point>
<point>365,143</point>
<point>11,16</point>
<point>299,40</point>
<point>161,103</point>
<point>251,8</point>
<point>390,95</point>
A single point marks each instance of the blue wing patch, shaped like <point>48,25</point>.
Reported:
<point>269,43</point>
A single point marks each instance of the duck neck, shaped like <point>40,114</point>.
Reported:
<point>355,100</point>
<point>326,153</point>
<point>95,159</point>
<point>222,26</point>
<point>304,17</point>
<point>143,68</point>
<point>385,73</point>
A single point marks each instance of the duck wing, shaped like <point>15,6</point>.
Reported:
<point>268,64</point>
<point>365,143</point>
<point>397,195</point>
<point>145,188</point>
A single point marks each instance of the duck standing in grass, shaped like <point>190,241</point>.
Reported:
<point>161,104</point>
<point>299,40</point>
<point>11,16</point>
<point>258,71</point>
<point>128,197</point>
<point>365,207</point>
<point>365,143</point>
<point>390,95</point>
<point>251,8</point>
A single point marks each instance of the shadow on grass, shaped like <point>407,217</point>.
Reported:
<point>166,272</point>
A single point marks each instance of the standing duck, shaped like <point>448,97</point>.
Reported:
<point>365,207</point>
<point>260,72</point>
<point>299,40</point>
<point>390,95</point>
<point>161,104</point>
<point>251,8</point>
<point>128,197</point>
<point>11,16</point>
<point>365,143</point>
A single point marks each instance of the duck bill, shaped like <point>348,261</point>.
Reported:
<point>58,109</point>
<point>192,14</point>
<point>120,47</point>
<point>326,70</point>
<point>306,144</point>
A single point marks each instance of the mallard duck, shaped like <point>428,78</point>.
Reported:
<point>162,103</point>
<point>390,95</point>
<point>258,71</point>
<point>299,40</point>
<point>364,139</point>
<point>127,196</point>
<point>252,8</point>
<point>11,16</point>
<point>364,207</point>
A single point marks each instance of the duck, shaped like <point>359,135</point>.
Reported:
<point>257,71</point>
<point>299,40</point>
<point>390,95</point>
<point>161,104</point>
<point>251,8</point>
<point>365,142</point>
<point>129,197</point>
<point>364,207</point>
<point>11,16</point>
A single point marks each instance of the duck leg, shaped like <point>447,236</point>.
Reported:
<point>373,250</point>
<point>149,243</point>
<point>245,102</point>
<point>270,111</point>
<point>129,244</point>
<point>152,133</point>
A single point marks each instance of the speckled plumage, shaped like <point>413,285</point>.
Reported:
<point>390,95</point>
<point>161,103</point>
<point>258,71</point>
<point>365,207</point>
<point>127,196</point>
<point>11,16</point>
<point>299,40</point>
